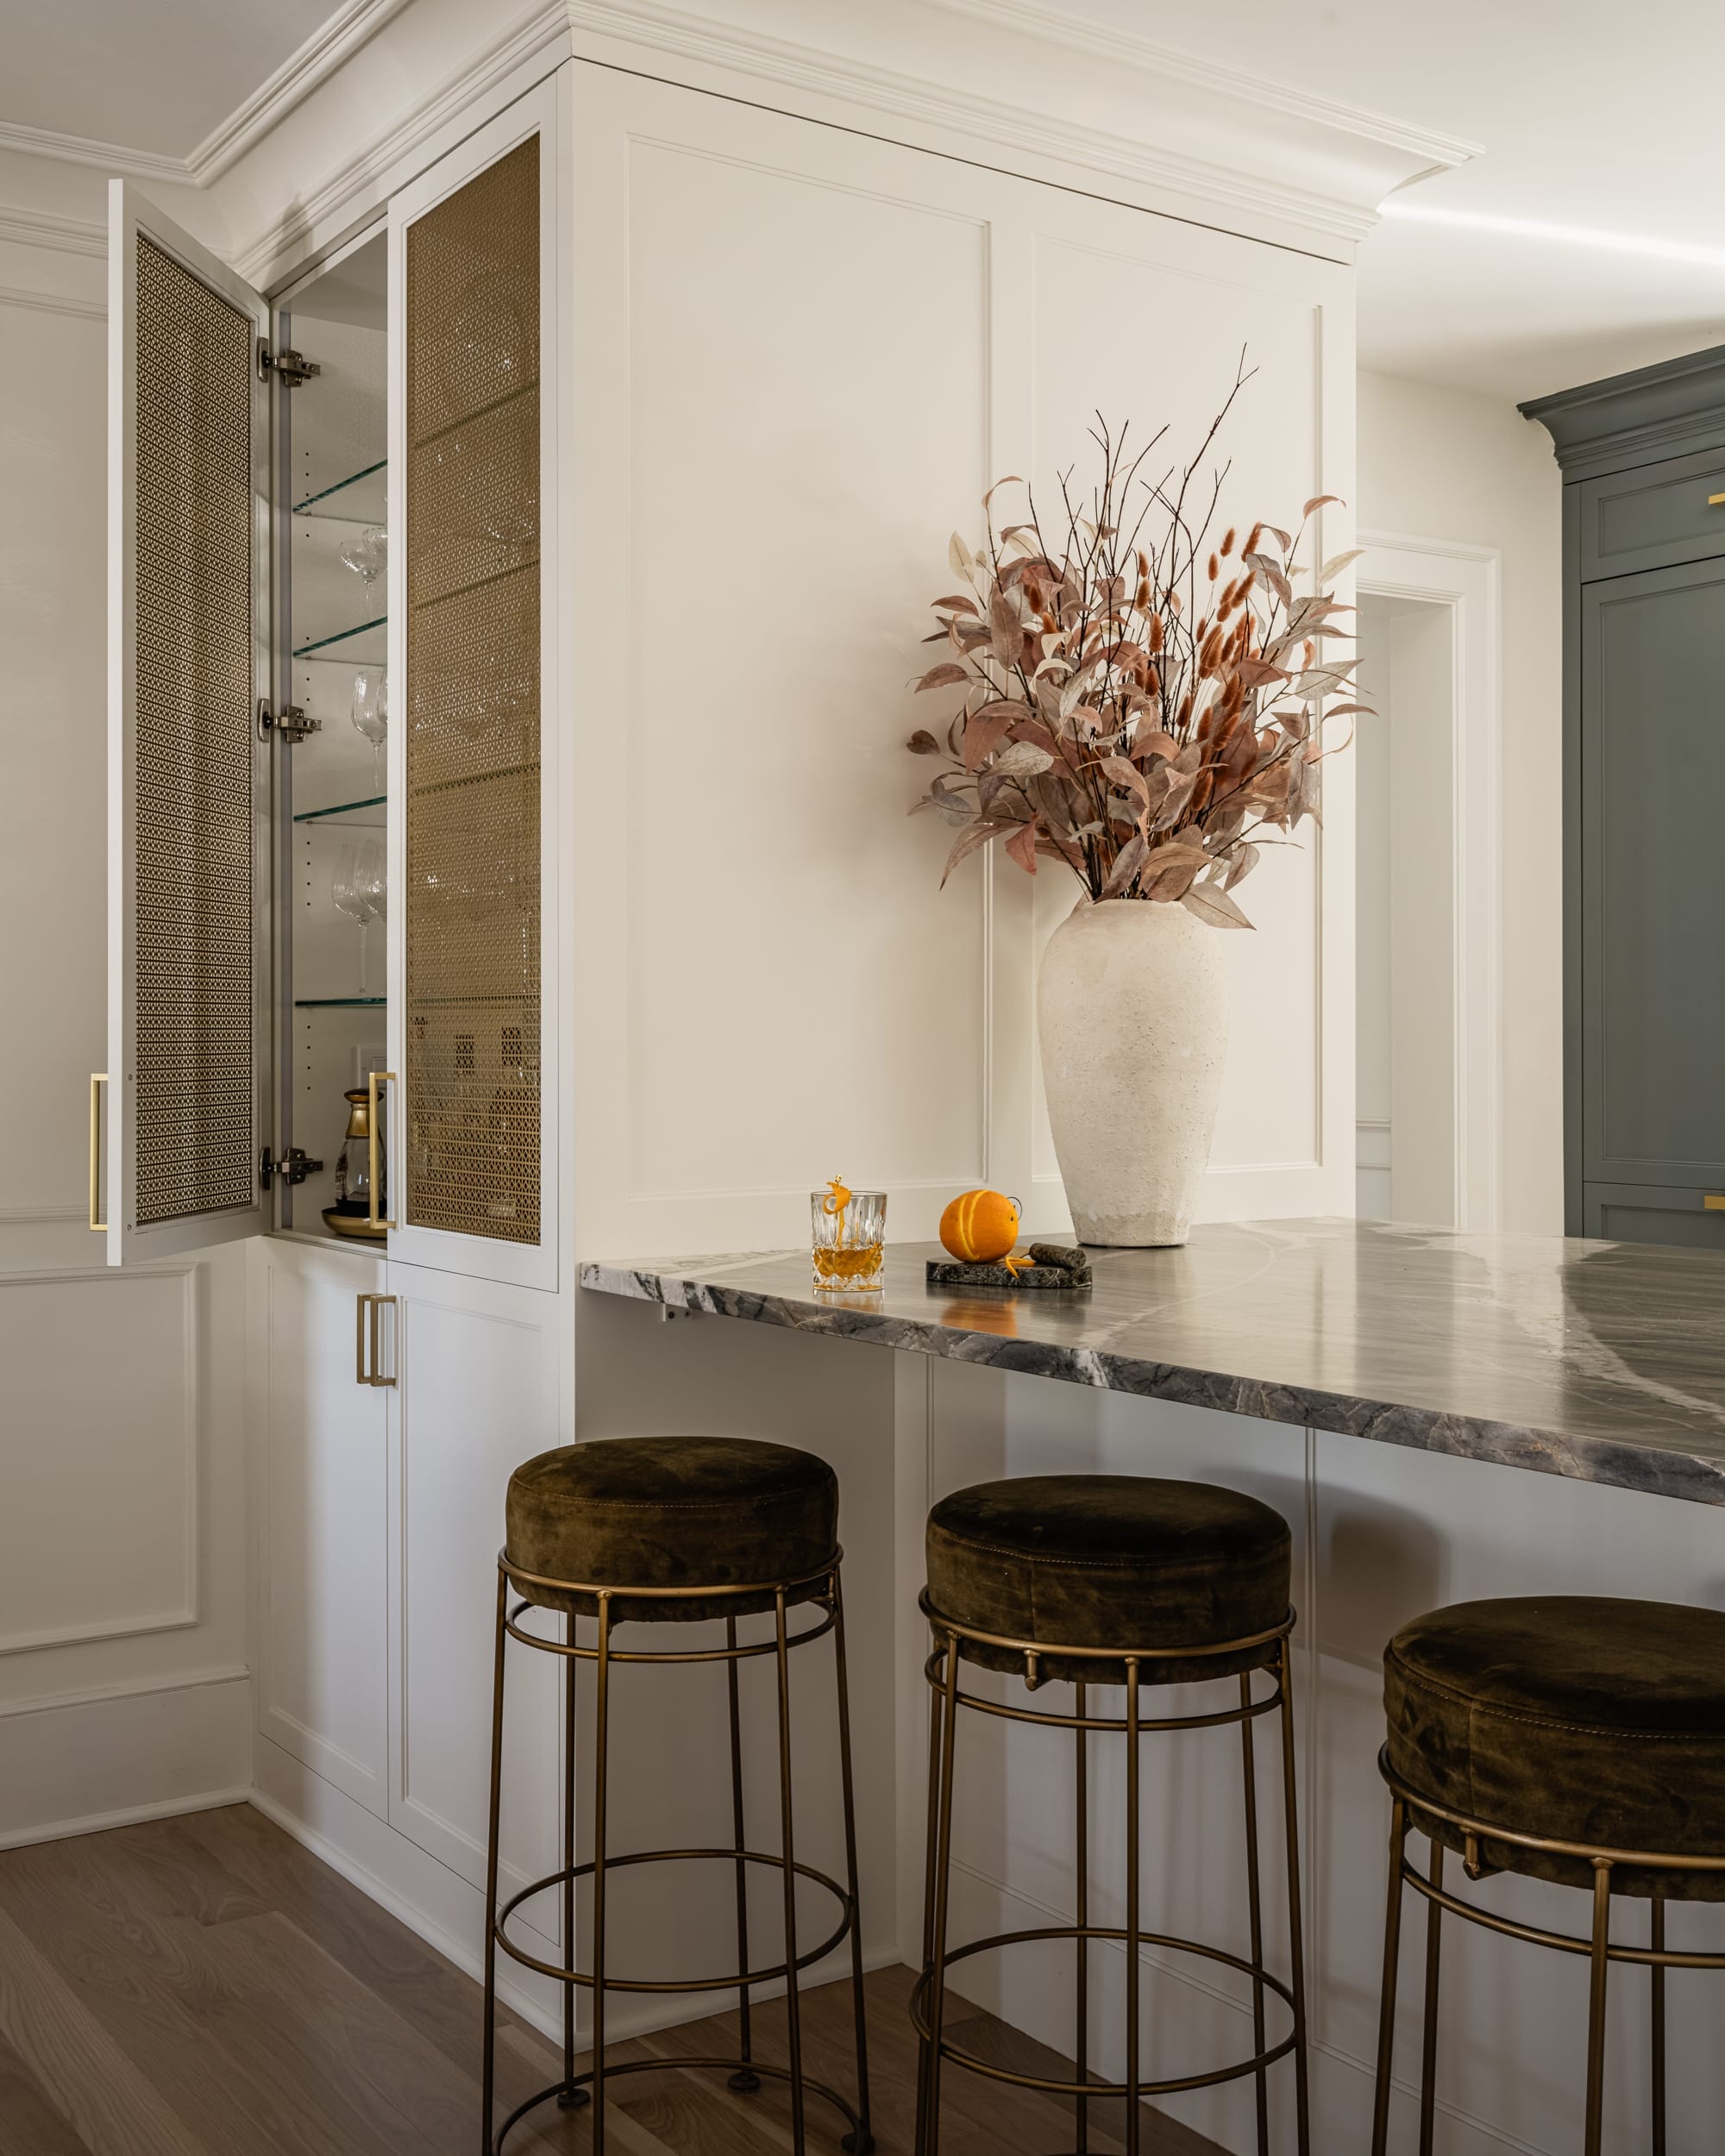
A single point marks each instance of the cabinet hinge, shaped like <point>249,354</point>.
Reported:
<point>290,722</point>
<point>293,1167</point>
<point>290,368</point>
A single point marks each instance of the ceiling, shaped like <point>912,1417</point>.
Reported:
<point>1599,125</point>
<point>156,75</point>
<point>1588,238</point>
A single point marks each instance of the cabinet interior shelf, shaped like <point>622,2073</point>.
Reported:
<point>367,815</point>
<point>327,500</point>
<point>342,636</point>
<point>337,1002</point>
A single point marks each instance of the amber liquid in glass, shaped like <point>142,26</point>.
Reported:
<point>845,1268</point>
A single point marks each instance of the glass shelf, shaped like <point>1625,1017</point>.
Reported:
<point>351,498</point>
<point>326,644</point>
<point>337,1002</point>
<point>372,815</point>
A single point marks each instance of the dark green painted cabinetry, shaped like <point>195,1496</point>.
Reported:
<point>1643,801</point>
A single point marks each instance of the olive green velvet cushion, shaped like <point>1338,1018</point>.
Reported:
<point>672,1511</point>
<point>1121,1561</point>
<point>1574,1718</point>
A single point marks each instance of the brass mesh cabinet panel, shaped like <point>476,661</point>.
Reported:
<point>471,1084</point>
<point>194,1090</point>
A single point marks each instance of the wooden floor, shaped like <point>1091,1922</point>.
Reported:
<point>203,1986</point>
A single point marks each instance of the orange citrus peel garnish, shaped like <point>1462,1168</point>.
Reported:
<point>837,1196</point>
<point>1018,1264</point>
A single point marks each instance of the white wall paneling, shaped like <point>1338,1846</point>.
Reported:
<point>99,1538</point>
<point>766,521</point>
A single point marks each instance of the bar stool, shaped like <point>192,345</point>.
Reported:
<point>1579,1738</point>
<point>658,1531</point>
<point>1121,1581</point>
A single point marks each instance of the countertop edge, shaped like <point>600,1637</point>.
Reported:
<point>1655,1471</point>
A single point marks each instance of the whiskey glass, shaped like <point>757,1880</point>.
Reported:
<point>849,1233</point>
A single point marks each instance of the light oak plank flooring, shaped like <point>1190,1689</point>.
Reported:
<point>203,1986</point>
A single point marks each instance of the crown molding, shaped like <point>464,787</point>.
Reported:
<point>350,186</point>
<point>81,149</point>
<point>65,235</point>
<point>352,25</point>
<point>1275,154</point>
<point>1054,26</point>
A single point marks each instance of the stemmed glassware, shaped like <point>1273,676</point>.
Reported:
<point>367,556</point>
<point>359,889</point>
<point>371,714</point>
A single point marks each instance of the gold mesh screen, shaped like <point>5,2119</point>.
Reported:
<point>470,1081</point>
<point>194,1085</point>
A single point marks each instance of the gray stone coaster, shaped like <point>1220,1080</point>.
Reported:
<point>1055,1268</point>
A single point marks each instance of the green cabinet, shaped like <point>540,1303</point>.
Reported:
<point>1644,802</point>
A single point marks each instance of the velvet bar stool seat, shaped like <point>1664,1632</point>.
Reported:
<point>658,1532</point>
<point>1577,1738</point>
<point>1115,1583</point>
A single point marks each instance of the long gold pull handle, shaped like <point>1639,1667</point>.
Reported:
<point>377,1303</point>
<point>1714,500</point>
<point>368,1340</point>
<point>377,1077</point>
<point>1714,1201</point>
<point>98,1079</point>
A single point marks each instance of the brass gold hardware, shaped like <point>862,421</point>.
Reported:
<point>375,1078</point>
<point>1714,500</point>
<point>368,1340</point>
<point>1714,1201</point>
<point>98,1079</point>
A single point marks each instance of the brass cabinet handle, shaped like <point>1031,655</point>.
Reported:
<point>376,1078</point>
<point>1714,500</point>
<point>368,1340</point>
<point>1714,1201</point>
<point>98,1079</point>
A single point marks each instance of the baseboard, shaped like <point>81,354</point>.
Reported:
<point>79,1764</point>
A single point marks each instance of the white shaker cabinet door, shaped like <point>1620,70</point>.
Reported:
<point>322,1469</point>
<point>477,1392</point>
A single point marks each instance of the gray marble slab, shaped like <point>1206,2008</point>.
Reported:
<point>1601,1361</point>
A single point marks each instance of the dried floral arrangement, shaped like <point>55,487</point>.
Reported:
<point>1141,705</point>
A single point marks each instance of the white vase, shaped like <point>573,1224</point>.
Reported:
<point>1133,1013</point>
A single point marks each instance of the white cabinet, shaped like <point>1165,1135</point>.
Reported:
<point>320,1470</point>
<point>478,1389</point>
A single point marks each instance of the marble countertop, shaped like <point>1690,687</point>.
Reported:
<point>1603,1361</point>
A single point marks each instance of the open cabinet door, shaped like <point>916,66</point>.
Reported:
<point>181,1131</point>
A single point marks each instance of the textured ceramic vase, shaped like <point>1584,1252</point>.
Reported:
<point>1132,1015</point>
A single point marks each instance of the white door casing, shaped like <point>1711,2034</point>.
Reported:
<point>1464,580</point>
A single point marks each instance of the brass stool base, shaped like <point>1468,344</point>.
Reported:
<point>745,2076</point>
<point>820,1591</point>
<point>1411,1811</point>
<point>1268,1650</point>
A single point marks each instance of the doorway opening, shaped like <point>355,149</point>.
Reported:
<point>1425,908</point>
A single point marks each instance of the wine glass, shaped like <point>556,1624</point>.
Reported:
<point>371,715</point>
<point>349,889</point>
<point>366,555</point>
<point>370,880</point>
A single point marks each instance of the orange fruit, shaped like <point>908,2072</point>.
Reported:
<point>981,1227</point>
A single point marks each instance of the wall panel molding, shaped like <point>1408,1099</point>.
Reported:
<point>178,1608</point>
<point>53,304</point>
<point>64,235</point>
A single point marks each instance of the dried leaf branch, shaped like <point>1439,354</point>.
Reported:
<point>1139,704</point>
